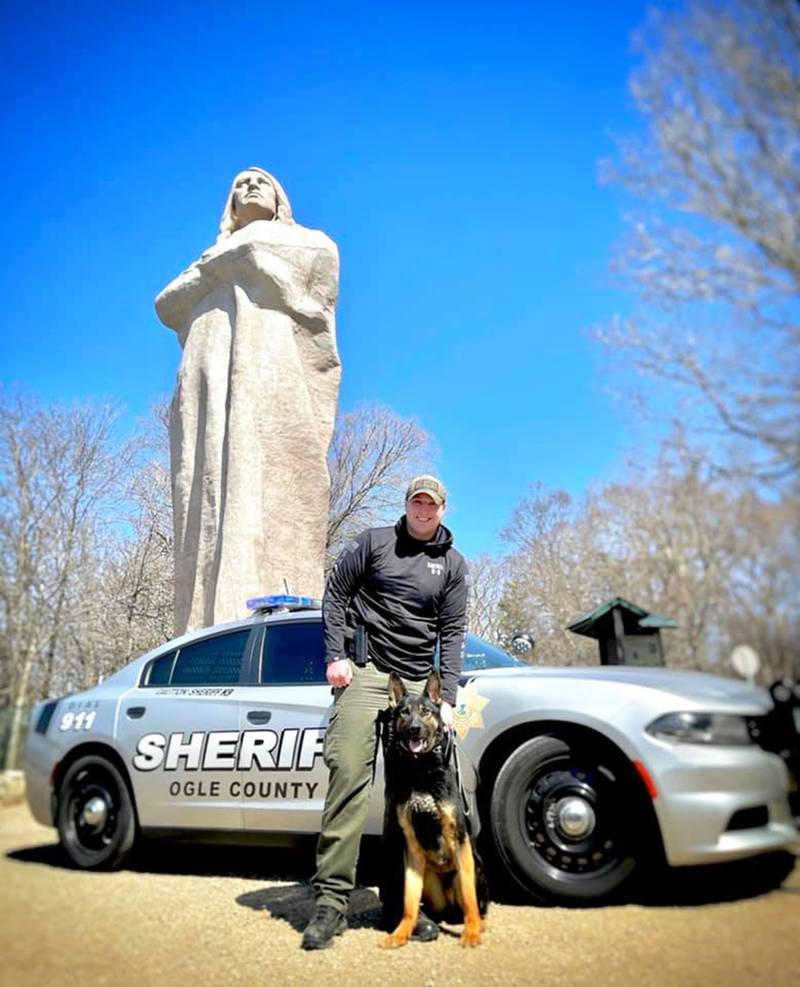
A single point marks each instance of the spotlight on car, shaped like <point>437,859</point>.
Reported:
<point>522,644</point>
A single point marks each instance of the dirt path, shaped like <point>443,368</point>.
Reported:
<point>200,916</point>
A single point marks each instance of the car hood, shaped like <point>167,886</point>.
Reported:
<point>696,686</point>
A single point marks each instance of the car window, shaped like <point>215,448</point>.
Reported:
<point>160,670</point>
<point>293,654</point>
<point>213,661</point>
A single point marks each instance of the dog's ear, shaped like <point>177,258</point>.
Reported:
<point>433,688</point>
<point>397,689</point>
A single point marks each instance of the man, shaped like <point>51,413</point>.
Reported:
<point>393,594</point>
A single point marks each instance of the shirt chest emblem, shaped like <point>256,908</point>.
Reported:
<point>436,568</point>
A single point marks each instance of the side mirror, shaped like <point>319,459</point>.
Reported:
<point>522,644</point>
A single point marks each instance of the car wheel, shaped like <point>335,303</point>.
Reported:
<point>95,817</point>
<point>563,821</point>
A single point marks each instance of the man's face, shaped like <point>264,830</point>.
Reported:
<point>253,198</point>
<point>423,516</point>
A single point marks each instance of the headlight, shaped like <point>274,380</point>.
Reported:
<point>701,728</point>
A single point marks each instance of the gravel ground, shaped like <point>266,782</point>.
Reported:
<point>207,916</point>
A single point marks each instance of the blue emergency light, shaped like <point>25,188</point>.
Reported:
<point>280,601</point>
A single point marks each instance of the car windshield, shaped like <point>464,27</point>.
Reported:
<point>480,654</point>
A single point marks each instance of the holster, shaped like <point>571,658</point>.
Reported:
<point>356,645</point>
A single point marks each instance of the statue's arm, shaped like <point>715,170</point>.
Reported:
<point>176,302</point>
<point>183,295</point>
<point>308,278</point>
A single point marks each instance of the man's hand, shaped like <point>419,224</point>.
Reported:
<point>446,712</point>
<point>339,673</point>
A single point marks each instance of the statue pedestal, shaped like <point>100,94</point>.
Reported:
<point>252,418</point>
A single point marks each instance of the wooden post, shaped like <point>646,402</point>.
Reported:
<point>619,636</point>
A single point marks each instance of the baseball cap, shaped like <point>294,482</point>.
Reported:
<point>428,485</point>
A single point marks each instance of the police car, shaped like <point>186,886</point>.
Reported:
<point>577,777</point>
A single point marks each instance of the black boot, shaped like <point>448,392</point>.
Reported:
<point>426,930</point>
<point>326,922</point>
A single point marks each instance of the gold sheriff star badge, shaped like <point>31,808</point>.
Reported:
<point>467,712</point>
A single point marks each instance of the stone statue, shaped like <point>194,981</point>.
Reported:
<point>254,407</point>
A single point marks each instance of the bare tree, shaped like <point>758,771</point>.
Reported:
<point>23,543</point>
<point>144,563</point>
<point>373,455</point>
<point>488,577</point>
<point>550,580</point>
<point>675,547</point>
<point>59,476</point>
<point>673,538</point>
<point>122,603</point>
<point>129,589</point>
<point>716,257</point>
<point>763,586</point>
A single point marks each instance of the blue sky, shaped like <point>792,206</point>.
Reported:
<point>450,149</point>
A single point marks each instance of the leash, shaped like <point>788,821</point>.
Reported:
<point>448,747</point>
<point>452,754</point>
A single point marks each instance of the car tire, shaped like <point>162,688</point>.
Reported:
<point>564,822</point>
<point>95,817</point>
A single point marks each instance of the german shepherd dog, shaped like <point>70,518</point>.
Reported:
<point>425,823</point>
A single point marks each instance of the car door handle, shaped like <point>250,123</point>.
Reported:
<point>135,712</point>
<point>259,716</point>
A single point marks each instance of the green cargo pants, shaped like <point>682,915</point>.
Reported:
<point>349,754</point>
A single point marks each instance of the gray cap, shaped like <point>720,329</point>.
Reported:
<point>427,485</point>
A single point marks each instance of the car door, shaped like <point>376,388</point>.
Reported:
<point>284,719</point>
<point>180,731</point>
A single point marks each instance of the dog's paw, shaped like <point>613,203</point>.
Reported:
<point>394,941</point>
<point>470,937</point>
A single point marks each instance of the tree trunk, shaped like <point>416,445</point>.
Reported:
<point>18,717</point>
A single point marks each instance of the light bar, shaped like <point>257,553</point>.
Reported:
<point>277,600</point>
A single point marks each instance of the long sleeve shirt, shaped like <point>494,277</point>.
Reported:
<point>409,595</point>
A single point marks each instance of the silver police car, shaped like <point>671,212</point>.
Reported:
<point>576,776</point>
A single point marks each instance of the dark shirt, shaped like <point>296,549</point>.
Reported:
<point>407,594</point>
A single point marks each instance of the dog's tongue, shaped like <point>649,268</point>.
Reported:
<point>416,745</point>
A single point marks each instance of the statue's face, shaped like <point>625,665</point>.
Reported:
<point>253,198</point>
